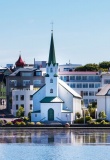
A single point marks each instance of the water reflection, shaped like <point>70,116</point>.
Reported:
<point>43,136</point>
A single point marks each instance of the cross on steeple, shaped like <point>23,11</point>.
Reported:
<point>52,26</point>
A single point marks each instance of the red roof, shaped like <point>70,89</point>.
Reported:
<point>20,62</point>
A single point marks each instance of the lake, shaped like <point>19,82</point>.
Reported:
<point>54,144</point>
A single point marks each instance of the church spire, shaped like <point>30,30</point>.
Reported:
<point>52,58</point>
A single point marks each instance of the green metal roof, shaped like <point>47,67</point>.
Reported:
<point>52,58</point>
<point>51,100</point>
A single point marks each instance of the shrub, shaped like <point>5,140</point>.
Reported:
<point>81,120</point>
<point>1,122</point>
<point>18,123</point>
<point>88,118</point>
<point>30,123</point>
<point>78,115</point>
<point>9,123</point>
<point>23,123</point>
<point>38,123</point>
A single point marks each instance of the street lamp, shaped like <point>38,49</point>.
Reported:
<point>67,117</point>
<point>96,113</point>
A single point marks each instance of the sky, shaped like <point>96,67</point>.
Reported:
<point>81,30</point>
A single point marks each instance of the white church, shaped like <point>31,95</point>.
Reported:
<point>55,101</point>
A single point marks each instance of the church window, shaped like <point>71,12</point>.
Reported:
<point>51,90</point>
<point>51,80</point>
<point>51,70</point>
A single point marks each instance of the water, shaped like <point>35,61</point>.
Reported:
<point>54,144</point>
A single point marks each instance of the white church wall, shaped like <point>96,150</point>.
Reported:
<point>55,106</point>
<point>76,106</point>
<point>107,107</point>
<point>53,86</point>
<point>100,104</point>
<point>66,97</point>
<point>37,97</point>
<point>35,117</point>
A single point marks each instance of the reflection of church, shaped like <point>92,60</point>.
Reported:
<point>55,101</point>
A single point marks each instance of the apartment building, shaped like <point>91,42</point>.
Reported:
<point>21,79</point>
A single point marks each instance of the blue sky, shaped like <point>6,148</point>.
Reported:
<point>81,30</point>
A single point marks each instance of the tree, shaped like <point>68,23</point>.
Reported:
<point>102,115</point>
<point>104,64</point>
<point>88,67</point>
<point>20,112</point>
<point>78,115</point>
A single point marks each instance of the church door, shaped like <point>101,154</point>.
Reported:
<point>50,114</point>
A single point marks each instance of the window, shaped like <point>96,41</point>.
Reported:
<point>38,74</point>
<point>51,90</point>
<point>91,85</point>
<point>16,97</point>
<point>85,101</point>
<point>91,100</point>
<point>78,77</point>
<point>66,78</point>
<point>72,85</point>
<point>85,85</point>
<point>30,106</point>
<point>51,70</point>
<point>16,106</point>
<point>51,80</point>
<point>91,77</point>
<point>61,77</point>
<point>84,77</point>
<point>107,81</point>
<point>26,82</point>
<point>27,74</point>
<point>22,105</point>
<point>35,115</point>
<point>13,82</point>
<point>97,85</point>
<point>72,78</point>
<point>91,93</point>
<point>79,85</point>
<point>85,93</point>
<point>31,97</point>
<point>36,82</point>
<point>22,97</point>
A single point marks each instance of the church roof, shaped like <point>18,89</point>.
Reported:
<point>52,58</point>
<point>69,89</point>
<point>20,62</point>
<point>104,90</point>
<point>51,100</point>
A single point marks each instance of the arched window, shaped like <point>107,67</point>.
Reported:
<point>51,90</point>
<point>51,80</point>
<point>51,69</point>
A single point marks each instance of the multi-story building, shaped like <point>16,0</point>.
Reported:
<point>22,79</point>
<point>85,83</point>
<point>23,98</point>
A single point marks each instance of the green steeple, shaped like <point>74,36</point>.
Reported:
<point>52,58</point>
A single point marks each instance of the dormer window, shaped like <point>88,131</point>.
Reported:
<point>51,90</point>
<point>51,80</point>
<point>51,69</point>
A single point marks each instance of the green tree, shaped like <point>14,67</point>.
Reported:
<point>78,115</point>
<point>20,112</point>
<point>88,67</point>
<point>102,115</point>
<point>104,64</point>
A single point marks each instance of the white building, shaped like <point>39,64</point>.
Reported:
<point>103,100</point>
<point>22,98</point>
<point>55,101</point>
